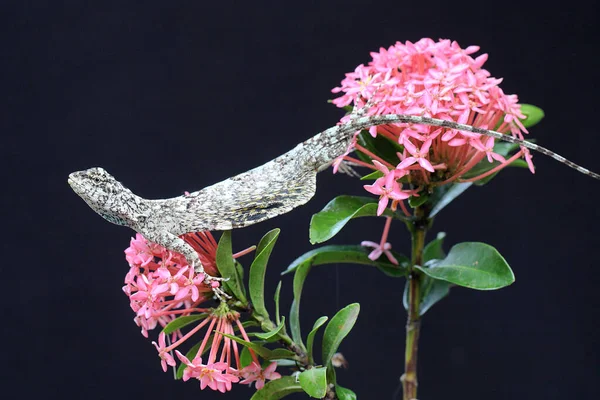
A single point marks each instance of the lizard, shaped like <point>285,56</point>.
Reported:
<point>264,192</point>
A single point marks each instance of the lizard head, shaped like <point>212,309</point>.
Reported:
<point>101,191</point>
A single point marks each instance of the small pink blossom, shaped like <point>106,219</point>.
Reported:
<point>379,250</point>
<point>528,157</point>
<point>254,373</point>
<point>387,187</point>
<point>417,156</point>
<point>488,148</point>
<point>165,356</point>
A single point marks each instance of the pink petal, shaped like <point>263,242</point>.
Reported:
<point>381,167</point>
<point>375,189</point>
<point>390,257</point>
<point>426,164</point>
<point>406,162</point>
<point>383,202</point>
<point>425,147</point>
<point>375,254</point>
<point>497,157</point>
<point>412,149</point>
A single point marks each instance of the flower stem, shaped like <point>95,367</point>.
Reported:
<point>418,229</point>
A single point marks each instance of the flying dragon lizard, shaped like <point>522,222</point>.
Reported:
<point>264,192</point>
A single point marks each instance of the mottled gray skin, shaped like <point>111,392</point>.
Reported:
<point>264,192</point>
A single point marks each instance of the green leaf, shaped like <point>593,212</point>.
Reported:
<point>533,115</point>
<point>433,250</point>
<point>256,282</point>
<point>338,212</point>
<point>258,349</point>
<point>372,176</point>
<point>473,265</point>
<point>416,201</point>
<point>180,322</point>
<point>352,254</point>
<point>286,363</point>
<point>344,394</point>
<point>314,382</point>
<point>272,333</point>
<point>276,298</point>
<point>280,354</point>
<point>226,266</point>
<point>299,278</point>
<point>263,351</point>
<point>278,389</point>
<point>337,329</point>
<point>443,195</point>
<point>245,357</point>
<point>311,337</point>
<point>380,146</point>
<point>432,290</point>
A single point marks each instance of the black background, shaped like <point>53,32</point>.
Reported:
<point>174,96</point>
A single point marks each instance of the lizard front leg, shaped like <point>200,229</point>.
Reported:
<point>178,245</point>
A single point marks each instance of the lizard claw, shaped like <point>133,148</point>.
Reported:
<point>345,167</point>
<point>213,282</point>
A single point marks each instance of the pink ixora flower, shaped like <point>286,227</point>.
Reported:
<point>379,249</point>
<point>214,376</point>
<point>416,156</point>
<point>166,358</point>
<point>436,79</point>
<point>255,373</point>
<point>221,368</point>
<point>161,285</point>
<point>387,187</point>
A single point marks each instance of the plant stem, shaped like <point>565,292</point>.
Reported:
<point>418,229</point>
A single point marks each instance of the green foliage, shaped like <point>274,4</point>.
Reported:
<point>380,146</point>
<point>533,115</point>
<point>311,337</point>
<point>338,212</point>
<point>314,382</point>
<point>262,351</point>
<point>444,195</point>
<point>372,176</point>
<point>353,254</point>
<point>416,201</point>
<point>473,265</point>
<point>433,250</point>
<point>276,299</point>
<point>344,394</point>
<point>272,333</point>
<point>258,269</point>
<point>337,329</point>
<point>278,389</point>
<point>180,322</point>
<point>432,290</point>
<point>245,357</point>
<point>226,266</point>
<point>299,278</point>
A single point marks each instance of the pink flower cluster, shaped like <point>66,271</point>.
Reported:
<point>161,285</point>
<point>439,80</point>
<point>218,372</point>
